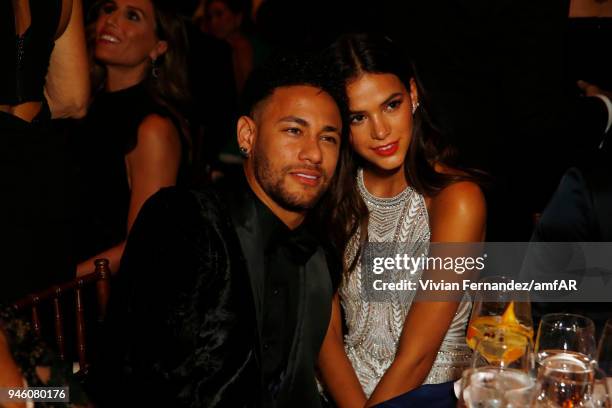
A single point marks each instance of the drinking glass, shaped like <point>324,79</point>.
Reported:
<point>563,332</point>
<point>604,350</point>
<point>604,353</point>
<point>601,390</point>
<point>493,387</point>
<point>569,379</point>
<point>501,309</point>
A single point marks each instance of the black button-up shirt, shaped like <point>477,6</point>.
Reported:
<point>286,252</point>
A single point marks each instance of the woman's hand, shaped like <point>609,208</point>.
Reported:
<point>336,370</point>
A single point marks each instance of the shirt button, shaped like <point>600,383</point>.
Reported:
<point>266,346</point>
<point>275,292</point>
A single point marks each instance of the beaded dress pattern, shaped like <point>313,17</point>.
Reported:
<point>374,328</point>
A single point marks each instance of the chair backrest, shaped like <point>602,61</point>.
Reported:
<point>54,295</point>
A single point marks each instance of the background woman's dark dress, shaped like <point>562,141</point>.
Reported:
<point>103,139</point>
<point>34,206</point>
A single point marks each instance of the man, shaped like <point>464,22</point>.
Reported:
<point>224,295</point>
<point>579,211</point>
<point>581,208</point>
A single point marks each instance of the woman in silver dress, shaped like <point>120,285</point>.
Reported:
<point>406,187</point>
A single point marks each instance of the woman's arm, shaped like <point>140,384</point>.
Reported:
<point>67,83</point>
<point>456,214</point>
<point>153,164</point>
<point>336,370</point>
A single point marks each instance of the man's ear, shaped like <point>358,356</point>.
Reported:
<point>246,131</point>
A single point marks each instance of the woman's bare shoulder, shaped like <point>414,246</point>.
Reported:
<point>462,197</point>
<point>458,213</point>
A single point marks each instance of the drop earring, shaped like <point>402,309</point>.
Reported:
<point>154,68</point>
<point>414,107</point>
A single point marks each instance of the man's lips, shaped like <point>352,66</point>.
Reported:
<point>308,177</point>
<point>386,150</point>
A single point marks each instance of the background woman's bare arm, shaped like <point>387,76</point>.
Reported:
<point>153,164</point>
<point>67,84</point>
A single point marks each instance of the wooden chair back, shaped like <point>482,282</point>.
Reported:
<point>54,295</point>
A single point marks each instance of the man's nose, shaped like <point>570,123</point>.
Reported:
<point>311,151</point>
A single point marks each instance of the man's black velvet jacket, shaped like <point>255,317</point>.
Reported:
<point>182,320</point>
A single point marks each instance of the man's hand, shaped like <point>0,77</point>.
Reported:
<point>592,90</point>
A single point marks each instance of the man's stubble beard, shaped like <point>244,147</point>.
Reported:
<point>273,184</point>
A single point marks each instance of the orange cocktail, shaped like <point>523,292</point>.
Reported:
<point>488,333</point>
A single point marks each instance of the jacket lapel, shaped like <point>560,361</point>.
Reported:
<point>244,217</point>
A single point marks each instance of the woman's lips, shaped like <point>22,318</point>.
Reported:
<point>386,150</point>
<point>108,37</point>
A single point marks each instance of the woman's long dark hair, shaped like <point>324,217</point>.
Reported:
<point>358,54</point>
<point>169,86</point>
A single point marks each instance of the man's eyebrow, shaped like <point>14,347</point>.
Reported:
<point>304,122</point>
<point>330,128</point>
<point>295,119</point>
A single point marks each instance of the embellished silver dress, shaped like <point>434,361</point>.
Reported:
<point>374,328</point>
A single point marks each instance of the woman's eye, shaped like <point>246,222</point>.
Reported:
<point>358,118</point>
<point>133,16</point>
<point>394,104</point>
<point>108,8</point>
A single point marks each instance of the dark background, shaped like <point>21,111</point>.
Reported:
<point>495,74</point>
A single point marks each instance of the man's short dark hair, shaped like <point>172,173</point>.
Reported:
<point>290,70</point>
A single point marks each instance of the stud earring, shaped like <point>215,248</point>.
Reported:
<point>244,152</point>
